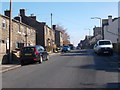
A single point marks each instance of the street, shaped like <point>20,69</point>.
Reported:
<point>75,69</point>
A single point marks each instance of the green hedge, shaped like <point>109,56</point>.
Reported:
<point>49,48</point>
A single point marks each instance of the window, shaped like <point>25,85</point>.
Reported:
<point>104,43</point>
<point>23,29</point>
<point>19,29</point>
<point>50,33</point>
<point>32,32</point>
<point>41,48</point>
<point>28,31</point>
<point>3,24</point>
<point>17,44</point>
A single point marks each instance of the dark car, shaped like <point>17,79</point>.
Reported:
<point>33,54</point>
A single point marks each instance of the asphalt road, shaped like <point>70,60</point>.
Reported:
<point>77,69</point>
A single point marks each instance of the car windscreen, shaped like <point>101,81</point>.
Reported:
<point>66,46</point>
<point>104,42</point>
<point>28,49</point>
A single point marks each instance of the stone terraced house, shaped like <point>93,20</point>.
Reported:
<point>22,34</point>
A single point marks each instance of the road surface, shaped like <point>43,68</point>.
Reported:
<point>76,69</point>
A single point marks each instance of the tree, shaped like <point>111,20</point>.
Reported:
<point>65,36</point>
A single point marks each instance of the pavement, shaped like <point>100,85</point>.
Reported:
<point>116,56</point>
<point>8,67</point>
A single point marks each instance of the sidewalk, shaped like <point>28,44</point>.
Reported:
<point>14,65</point>
<point>117,57</point>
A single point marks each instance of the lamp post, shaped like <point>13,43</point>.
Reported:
<point>100,25</point>
<point>97,18</point>
<point>10,33</point>
<point>89,30</point>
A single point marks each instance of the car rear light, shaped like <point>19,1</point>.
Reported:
<point>34,49</point>
<point>34,59</point>
<point>36,53</point>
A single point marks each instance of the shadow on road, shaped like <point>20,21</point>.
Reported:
<point>76,53</point>
<point>104,63</point>
<point>106,68</point>
<point>112,85</point>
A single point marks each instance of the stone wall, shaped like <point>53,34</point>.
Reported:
<point>49,36</point>
<point>116,47</point>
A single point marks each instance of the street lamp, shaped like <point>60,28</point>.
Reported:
<point>89,30</point>
<point>100,24</point>
<point>97,18</point>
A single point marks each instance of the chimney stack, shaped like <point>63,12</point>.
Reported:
<point>7,13</point>
<point>22,12</point>
<point>33,16</point>
<point>54,27</point>
<point>109,19</point>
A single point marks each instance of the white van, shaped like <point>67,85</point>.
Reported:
<point>103,47</point>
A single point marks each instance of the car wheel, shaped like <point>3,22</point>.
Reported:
<point>22,63</point>
<point>47,57</point>
<point>41,59</point>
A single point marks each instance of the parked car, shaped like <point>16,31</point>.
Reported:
<point>78,48</point>
<point>71,46</point>
<point>66,49</point>
<point>103,47</point>
<point>33,54</point>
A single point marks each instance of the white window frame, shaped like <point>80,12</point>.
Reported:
<point>3,24</point>
<point>28,31</point>
<point>19,29</point>
<point>23,30</point>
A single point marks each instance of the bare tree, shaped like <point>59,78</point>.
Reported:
<point>65,36</point>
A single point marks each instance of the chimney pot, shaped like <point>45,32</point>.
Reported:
<point>109,19</point>
<point>33,16</point>
<point>54,27</point>
<point>7,13</point>
<point>22,12</point>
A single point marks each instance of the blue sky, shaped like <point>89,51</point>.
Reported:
<point>73,16</point>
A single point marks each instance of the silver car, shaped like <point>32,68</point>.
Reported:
<point>103,47</point>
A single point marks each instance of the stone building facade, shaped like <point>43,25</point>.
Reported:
<point>22,34</point>
<point>119,29</point>
<point>97,31</point>
<point>49,36</point>
<point>58,37</point>
<point>44,34</point>
<point>111,29</point>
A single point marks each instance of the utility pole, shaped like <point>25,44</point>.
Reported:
<point>100,25</point>
<point>89,31</point>
<point>51,21</point>
<point>10,33</point>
